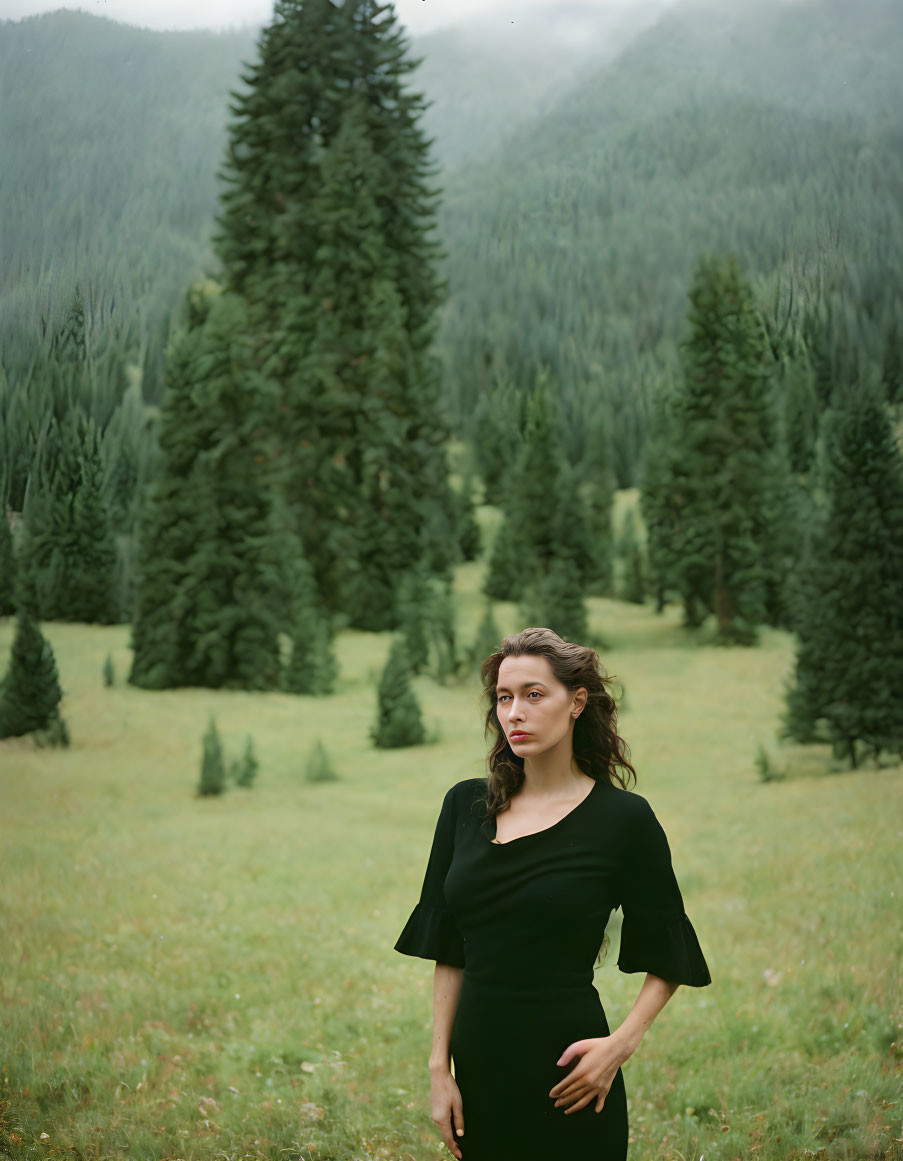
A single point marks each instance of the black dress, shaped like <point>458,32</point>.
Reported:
<point>525,920</point>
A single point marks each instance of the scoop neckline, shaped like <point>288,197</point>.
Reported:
<point>545,829</point>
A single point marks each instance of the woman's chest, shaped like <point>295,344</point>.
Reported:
<point>566,874</point>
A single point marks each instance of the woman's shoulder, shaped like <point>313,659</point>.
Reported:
<point>627,806</point>
<point>464,793</point>
<point>467,791</point>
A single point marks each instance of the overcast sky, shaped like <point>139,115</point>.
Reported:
<point>418,15</point>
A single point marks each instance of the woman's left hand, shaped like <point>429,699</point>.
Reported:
<point>592,1077</point>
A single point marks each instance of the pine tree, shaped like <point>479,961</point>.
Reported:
<point>247,767</point>
<point>892,362</point>
<point>488,638</point>
<point>68,548</point>
<point>467,529</point>
<point>319,767</point>
<point>800,409</point>
<point>92,592</point>
<point>30,694</point>
<point>660,508</point>
<point>545,517</point>
<point>726,479</point>
<point>444,632</point>
<point>7,565</point>
<point>217,554</point>
<point>509,562</point>
<point>325,229</point>
<point>555,601</point>
<point>600,487</point>
<point>415,603</point>
<point>213,768</point>
<point>849,664</point>
<point>398,722</point>
<point>312,668</point>
<point>633,568</point>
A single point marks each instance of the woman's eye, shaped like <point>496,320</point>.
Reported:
<point>532,691</point>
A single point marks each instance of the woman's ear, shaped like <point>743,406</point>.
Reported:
<point>580,697</point>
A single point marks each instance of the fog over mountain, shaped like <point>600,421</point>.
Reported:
<point>420,16</point>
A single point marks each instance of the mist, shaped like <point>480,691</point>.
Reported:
<point>572,17</point>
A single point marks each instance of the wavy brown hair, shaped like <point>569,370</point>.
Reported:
<point>599,750</point>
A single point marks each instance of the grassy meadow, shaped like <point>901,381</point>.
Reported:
<point>186,978</point>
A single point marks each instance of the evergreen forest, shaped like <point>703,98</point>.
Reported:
<point>328,357</point>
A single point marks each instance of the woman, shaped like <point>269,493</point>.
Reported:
<point>524,871</point>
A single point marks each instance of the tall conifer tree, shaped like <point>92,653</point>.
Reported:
<point>849,665</point>
<point>325,229</point>
<point>727,472</point>
<point>217,557</point>
<point>545,519</point>
<point>68,547</point>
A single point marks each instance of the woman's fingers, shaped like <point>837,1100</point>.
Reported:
<point>449,1137</point>
<point>581,1104</point>
<point>572,1050</point>
<point>565,1092</point>
<point>458,1114</point>
<point>600,1103</point>
<point>574,1077</point>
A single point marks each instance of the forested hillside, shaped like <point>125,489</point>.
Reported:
<point>571,215</point>
<point>113,137</point>
<point>771,133</point>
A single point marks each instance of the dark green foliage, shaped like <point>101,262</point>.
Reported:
<point>594,477</point>
<point>398,720</point>
<point>7,565</point>
<point>768,771</point>
<point>67,546</point>
<point>570,246</point>
<point>719,493</point>
<point>213,767</point>
<point>714,130</point>
<point>217,550</point>
<point>30,694</point>
<point>488,638</point>
<point>509,560</point>
<point>319,766</point>
<point>555,601</point>
<point>444,632</point>
<point>470,539</point>
<point>139,117</point>
<point>661,514</point>
<point>109,672</point>
<point>415,604</point>
<point>633,564</point>
<point>544,515</point>
<point>313,666</point>
<point>892,360</point>
<point>325,229</point>
<point>54,735</point>
<point>849,665</point>
<point>244,770</point>
<point>800,408</point>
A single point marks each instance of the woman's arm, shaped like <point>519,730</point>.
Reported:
<point>602,1056</point>
<point>654,994</point>
<point>446,1105</point>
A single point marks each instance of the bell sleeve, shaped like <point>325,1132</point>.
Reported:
<point>431,931</point>
<point>656,935</point>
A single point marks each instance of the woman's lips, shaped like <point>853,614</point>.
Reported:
<point>518,736</point>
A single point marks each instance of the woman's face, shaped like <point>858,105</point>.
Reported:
<point>532,702</point>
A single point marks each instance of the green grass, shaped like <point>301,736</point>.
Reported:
<point>186,978</point>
